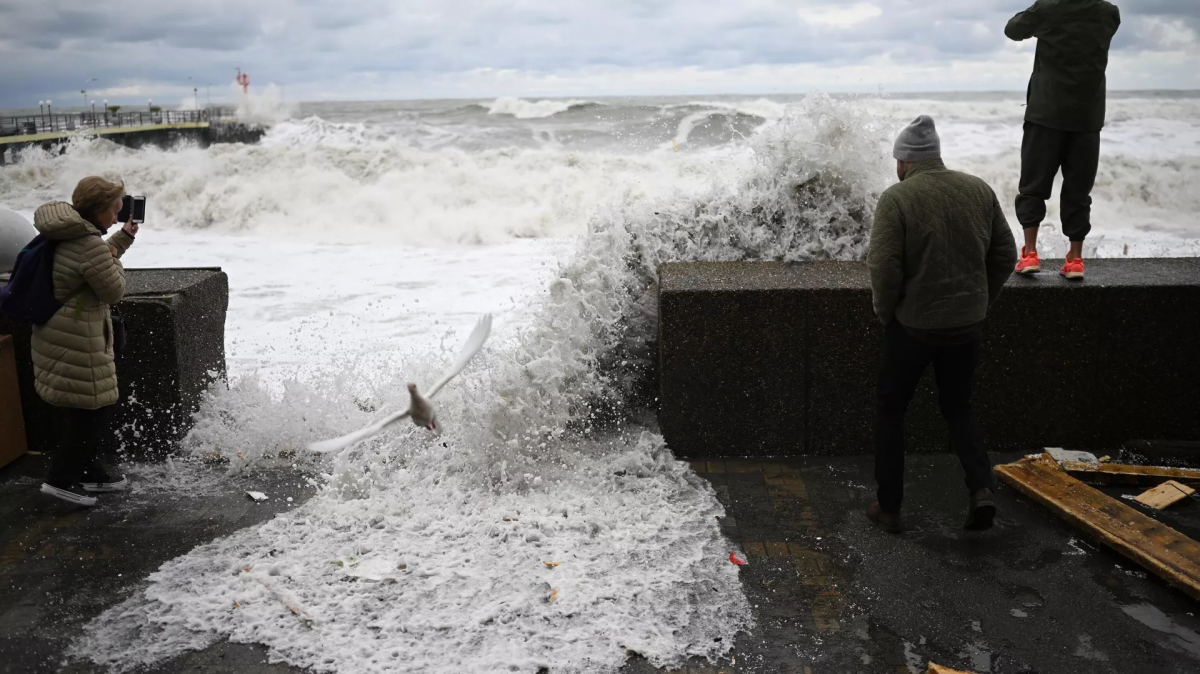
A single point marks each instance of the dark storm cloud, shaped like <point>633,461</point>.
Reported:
<point>47,46</point>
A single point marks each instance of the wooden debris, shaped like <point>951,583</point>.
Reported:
<point>291,605</point>
<point>1118,473</point>
<point>551,565</point>
<point>1164,495</point>
<point>553,594</point>
<point>938,669</point>
<point>236,604</point>
<point>1157,547</point>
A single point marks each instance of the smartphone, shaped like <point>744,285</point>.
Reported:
<point>132,207</point>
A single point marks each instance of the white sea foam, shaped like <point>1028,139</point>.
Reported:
<point>523,109</point>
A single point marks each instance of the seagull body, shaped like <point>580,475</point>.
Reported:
<point>420,408</point>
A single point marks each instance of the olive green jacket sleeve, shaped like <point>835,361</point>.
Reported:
<point>885,257</point>
<point>1002,253</point>
<point>1025,24</point>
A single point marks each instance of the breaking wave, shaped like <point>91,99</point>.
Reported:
<point>429,553</point>
<point>523,109</point>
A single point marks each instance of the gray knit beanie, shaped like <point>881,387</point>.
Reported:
<point>918,141</point>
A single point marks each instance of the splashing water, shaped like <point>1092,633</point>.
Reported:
<point>550,456</point>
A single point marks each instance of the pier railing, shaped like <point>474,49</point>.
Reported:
<point>29,125</point>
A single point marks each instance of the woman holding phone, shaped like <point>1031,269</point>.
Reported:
<point>73,352</point>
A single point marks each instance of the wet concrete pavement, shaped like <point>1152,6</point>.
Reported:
<point>831,592</point>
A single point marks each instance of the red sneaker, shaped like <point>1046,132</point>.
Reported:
<point>1073,268</point>
<point>1028,264</point>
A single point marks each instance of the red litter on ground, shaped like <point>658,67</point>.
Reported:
<point>735,560</point>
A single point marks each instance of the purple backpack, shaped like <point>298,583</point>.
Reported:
<point>29,295</point>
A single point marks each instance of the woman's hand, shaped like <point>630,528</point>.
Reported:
<point>130,228</point>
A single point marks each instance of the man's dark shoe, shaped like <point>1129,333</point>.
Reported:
<point>889,521</point>
<point>71,493</point>
<point>97,479</point>
<point>982,512</point>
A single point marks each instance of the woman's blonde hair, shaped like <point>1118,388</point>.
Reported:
<point>94,194</point>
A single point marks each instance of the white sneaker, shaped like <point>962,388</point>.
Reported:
<point>73,494</point>
<point>118,483</point>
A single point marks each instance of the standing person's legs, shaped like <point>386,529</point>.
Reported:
<point>1080,161</point>
<point>904,359</point>
<point>84,432</point>
<point>1041,155</point>
<point>954,367</point>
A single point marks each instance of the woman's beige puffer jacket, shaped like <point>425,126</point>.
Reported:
<point>73,351</point>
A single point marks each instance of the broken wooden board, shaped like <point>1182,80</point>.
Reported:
<point>1117,473</point>
<point>1164,495</point>
<point>938,669</point>
<point>1159,548</point>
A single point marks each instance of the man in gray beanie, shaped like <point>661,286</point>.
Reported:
<point>940,253</point>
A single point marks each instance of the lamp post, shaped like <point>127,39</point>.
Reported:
<point>41,111</point>
<point>50,114</point>
<point>105,104</point>
<point>93,113</point>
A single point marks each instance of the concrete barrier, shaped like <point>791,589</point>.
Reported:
<point>762,359</point>
<point>176,326</point>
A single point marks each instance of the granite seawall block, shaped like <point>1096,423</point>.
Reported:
<point>791,352</point>
<point>176,347</point>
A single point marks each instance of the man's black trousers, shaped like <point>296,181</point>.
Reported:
<point>904,361</point>
<point>1043,152</point>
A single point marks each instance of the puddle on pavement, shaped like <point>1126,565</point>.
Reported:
<point>1181,637</point>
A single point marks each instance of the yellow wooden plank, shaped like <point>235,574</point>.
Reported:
<point>938,669</point>
<point>1164,495</point>
<point>1116,473</point>
<point>1157,547</point>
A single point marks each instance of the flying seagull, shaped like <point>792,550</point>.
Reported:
<point>420,409</point>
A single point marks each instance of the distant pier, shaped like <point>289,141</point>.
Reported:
<point>132,129</point>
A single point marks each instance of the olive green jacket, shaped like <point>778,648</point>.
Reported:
<point>1067,88</point>
<point>940,249</point>
<point>73,351</point>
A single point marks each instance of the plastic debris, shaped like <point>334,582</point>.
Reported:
<point>257,495</point>
<point>735,560</point>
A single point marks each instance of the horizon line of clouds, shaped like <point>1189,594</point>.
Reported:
<point>334,50</point>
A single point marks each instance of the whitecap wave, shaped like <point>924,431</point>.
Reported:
<point>524,109</point>
<point>310,173</point>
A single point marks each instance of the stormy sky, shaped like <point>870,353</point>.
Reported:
<point>131,50</point>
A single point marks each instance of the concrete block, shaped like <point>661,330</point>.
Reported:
<point>785,359</point>
<point>176,327</point>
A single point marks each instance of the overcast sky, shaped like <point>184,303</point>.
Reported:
<point>131,50</point>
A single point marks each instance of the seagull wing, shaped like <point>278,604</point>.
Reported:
<point>474,343</point>
<point>326,446</point>
<point>482,329</point>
